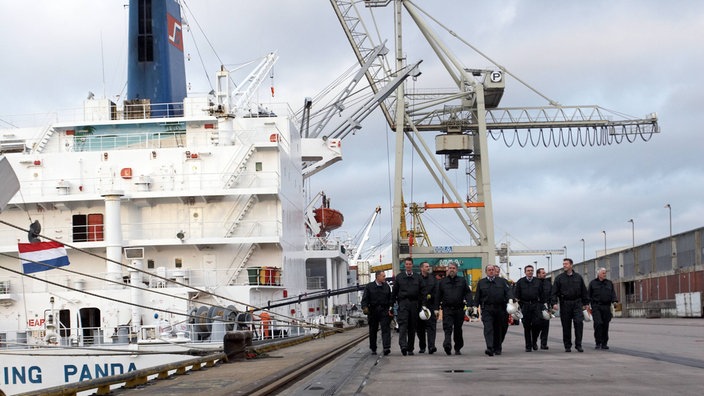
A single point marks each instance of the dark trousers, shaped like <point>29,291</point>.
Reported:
<point>379,317</point>
<point>601,314</point>
<point>427,328</point>
<point>452,319</point>
<point>531,323</point>
<point>406,319</point>
<point>571,312</point>
<point>494,319</point>
<point>504,327</point>
<point>544,330</point>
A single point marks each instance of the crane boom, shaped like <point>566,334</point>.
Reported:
<point>465,117</point>
<point>358,253</point>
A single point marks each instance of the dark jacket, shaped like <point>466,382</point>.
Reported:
<point>529,292</point>
<point>602,292</point>
<point>377,297</point>
<point>429,291</point>
<point>406,287</point>
<point>453,292</point>
<point>570,288</point>
<point>546,285</point>
<point>495,293</point>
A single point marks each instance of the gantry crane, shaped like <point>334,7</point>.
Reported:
<point>465,117</point>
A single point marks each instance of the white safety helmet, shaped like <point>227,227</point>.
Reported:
<point>511,307</point>
<point>424,313</point>
<point>546,313</point>
<point>587,315</point>
<point>518,315</point>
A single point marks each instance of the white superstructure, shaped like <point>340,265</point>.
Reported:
<point>204,200</point>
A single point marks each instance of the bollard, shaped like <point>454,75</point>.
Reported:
<point>235,344</point>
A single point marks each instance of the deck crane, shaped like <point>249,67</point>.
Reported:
<point>235,102</point>
<point>363,265</point>
<point>319,153</point>
<point>464,117</point>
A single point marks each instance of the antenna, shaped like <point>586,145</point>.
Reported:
<point>102,62</point>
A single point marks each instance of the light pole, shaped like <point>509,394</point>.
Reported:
<point>604,232</point>
<point>549,257</point>
<point>669,208</point>
<point>633,231</point>
<point>583,249</point>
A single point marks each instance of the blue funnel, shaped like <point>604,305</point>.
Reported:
<point>156,72</point>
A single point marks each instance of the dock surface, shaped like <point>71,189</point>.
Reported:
<point>647,357</point>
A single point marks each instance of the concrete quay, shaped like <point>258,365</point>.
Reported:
<point>647,357</point>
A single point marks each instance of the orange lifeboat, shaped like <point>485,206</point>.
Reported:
<point>329,219</point>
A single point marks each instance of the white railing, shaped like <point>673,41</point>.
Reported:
<point>208,331</point>
<point>58,189</point>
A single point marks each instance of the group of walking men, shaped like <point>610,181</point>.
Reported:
<point>413,293</point>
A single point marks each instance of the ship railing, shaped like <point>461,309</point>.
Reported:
<point>62,190</point>
<point>175,136</point>
<point>205,229</point>
<point>110,111</point>
<point>129,140</point>
<point>271,329</point>
<point>316,283</point>
<point>37,336</point>
<point>190,274</point>
<point>321,243</point>
<point>207,331</point>
<point>149,233</point>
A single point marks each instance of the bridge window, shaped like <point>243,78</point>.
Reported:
<point>88,228</point>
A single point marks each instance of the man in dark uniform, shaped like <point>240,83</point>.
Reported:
<point>601,296</point>
<point>453,294</point>
<point>529,294</point>
<point>406,293</point>
<point>376,304</point>
<point>569,288</point>
<point>492,295</point>
<point>544,323</point>
<point>428,288</point>
<point>511,286</point>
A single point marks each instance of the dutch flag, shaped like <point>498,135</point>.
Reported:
<point>35,255</point>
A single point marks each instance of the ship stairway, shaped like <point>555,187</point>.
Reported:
<point>46,136</point>
<point>243,204</point>
<point>242,257</point>
<point>239,163</point>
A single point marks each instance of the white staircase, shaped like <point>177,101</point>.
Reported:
<point>237,166</point>
<point>46,136</point>
<point>239,210</point>
<point>241,258</point>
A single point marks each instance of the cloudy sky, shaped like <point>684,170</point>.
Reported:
<point>635,57</point>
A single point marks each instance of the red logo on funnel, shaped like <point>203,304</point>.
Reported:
<point>174,31</point>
